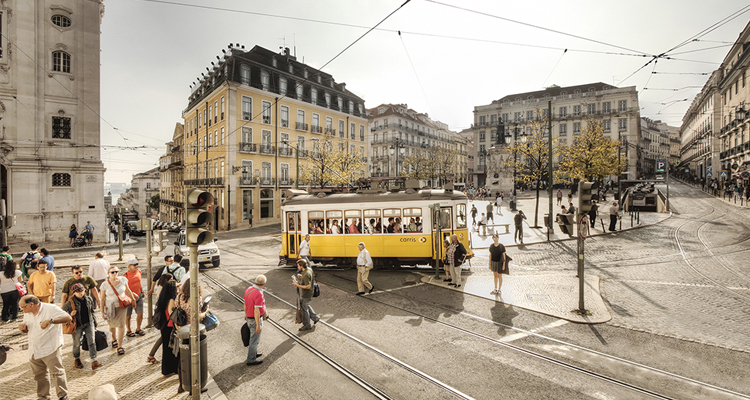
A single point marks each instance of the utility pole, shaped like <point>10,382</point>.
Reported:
<point>551,180</point>
<point>148,270</point>
<point>119,232</point>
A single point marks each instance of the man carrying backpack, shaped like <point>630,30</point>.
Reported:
<point>28,261</point>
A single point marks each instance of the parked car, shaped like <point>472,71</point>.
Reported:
<point>177,228</point>
<point>208,254</point>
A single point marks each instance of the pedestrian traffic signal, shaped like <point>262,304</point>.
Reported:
<point>196,229</point>
<point>587,192</point>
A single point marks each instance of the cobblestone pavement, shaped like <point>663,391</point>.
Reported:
<point>686,277</point>
<point>131,375</point>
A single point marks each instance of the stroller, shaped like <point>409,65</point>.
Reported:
<point>79,241</point>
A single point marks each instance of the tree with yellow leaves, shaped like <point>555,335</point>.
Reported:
<point>591,155</point>
<point>438,164</point>
<point>530,155</point>
<point>326,166</point>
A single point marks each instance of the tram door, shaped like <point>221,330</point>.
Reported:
<point>446,224</point>
<point>293,230</point>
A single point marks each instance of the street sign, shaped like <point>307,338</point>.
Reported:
<point>745,174</point>
<point>709,172</point>
<point>723,174</point>
<point>677,163</point>
<point>661,165</point>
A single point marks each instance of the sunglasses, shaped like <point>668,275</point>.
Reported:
<point>78,273</point>
<point>114,272</point>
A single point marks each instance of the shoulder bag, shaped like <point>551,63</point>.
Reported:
<point>21,289</point>
<point>316,288</point>
<point>125,301</point>
<point>210,321</point>
<point>178,316</point>
<point>70,327</point>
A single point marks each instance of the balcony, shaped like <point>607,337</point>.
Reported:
<point>247,181</point>
<point>266,181</point>
<point>286,152</point>
<point>267,119</point>
<point>301,126</point>
<point>248,147</point>
<point>205,182</point>
<point>286,182</point>
<point>266,149</point>
<point>330,131</point>
<point>316,129</point>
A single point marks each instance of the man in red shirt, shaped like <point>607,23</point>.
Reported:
<point>255,308</point>
<point>134,283</point>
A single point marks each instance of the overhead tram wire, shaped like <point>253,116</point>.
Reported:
<point>415,71</point>
<point>539,27</point>
<point>555,67</point>
<point>690,40</point>
<point>403,32</point>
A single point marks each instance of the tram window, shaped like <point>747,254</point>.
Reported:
<point>393,215</point>
<point>291,225</point>
<point>447,210</point>
<point>353,221</point>
<point>372,221</point>
<point>334,222</point>
<point>461,216</point>
<point>315,225</point>
<point>412,220</point>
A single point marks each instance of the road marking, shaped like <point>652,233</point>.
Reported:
<point>522,335</point>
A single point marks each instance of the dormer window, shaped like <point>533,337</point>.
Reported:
<point>318,78</point>
<point>530,97</point>
<point>578,91</point>
<point>591,90</point>
<point>304,73</point>
<point>274,62</point>
<point>563,93</point>
<point>291,68</point>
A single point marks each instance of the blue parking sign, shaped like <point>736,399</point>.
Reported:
<point>661,165</point>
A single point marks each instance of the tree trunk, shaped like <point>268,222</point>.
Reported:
<point>536,210</point>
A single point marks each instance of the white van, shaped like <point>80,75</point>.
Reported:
<point>207,253</point>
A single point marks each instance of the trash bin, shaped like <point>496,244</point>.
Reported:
<point>512,205</point>
<point>183,335</point>
<point>547,221</point>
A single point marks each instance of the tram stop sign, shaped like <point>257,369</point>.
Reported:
<point>661,165</point>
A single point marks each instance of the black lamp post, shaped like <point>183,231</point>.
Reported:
<point>398,148</point>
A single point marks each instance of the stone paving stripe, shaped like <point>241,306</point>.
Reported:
<point>553,294</point>
<point>521,335</point>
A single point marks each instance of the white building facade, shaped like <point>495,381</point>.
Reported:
<point>52,174</point>
<point>617,108</point>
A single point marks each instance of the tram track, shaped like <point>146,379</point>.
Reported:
<point>622,361</point>
<point>340,368</point>
<point>377,393</point>
<point>532,353</point>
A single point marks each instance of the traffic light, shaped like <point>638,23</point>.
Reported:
<point>196,228</point>
<point>587,192</point>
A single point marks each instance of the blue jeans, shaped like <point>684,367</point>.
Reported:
<point>89,329</point>
<point>252,348</point>
<point>307,312</point>
<point>307,258</point>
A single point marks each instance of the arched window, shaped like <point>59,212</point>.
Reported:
<point>61,61</point>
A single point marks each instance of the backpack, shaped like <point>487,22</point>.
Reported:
<point>29,257</point>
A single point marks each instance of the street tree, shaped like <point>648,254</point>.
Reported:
<point>327,166</point>
<point>154,201</point>
<point>418,166</point>
<point>591,155</point>
<point>530,155</point>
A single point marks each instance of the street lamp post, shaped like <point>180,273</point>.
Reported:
<point>397,148</point>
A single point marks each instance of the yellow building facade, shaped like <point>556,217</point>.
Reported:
<point>253,120</point>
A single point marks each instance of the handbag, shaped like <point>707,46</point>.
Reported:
<point>245,333</point>
<point>125,301</point>
<point>298,317</point>
<point>100,341</point>
<point>21,289</point>
<point>316,290</point>
<point>210,321</point>
<point>158,320</point>
<point>70,327</point>
<point>178,316</point>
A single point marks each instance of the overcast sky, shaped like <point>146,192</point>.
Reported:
<point>446,60</point>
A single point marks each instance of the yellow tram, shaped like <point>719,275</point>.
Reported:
<point>397,227</point>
